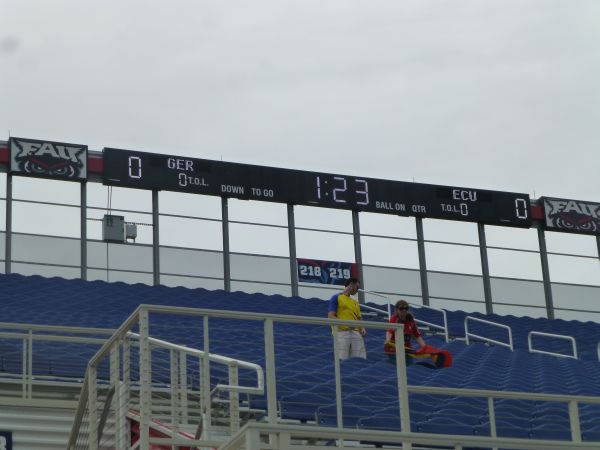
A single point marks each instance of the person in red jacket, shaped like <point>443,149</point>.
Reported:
<point>439,358</point>
<point>401,315</point>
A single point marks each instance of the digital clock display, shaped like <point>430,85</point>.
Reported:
<point>151,171</point>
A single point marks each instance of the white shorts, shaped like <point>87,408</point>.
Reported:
<point>350,344</point>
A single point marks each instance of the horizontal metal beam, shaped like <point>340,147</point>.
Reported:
<point>318,432</point>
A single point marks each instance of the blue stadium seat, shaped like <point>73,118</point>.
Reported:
<point>303,405</point>
<point>551,431</point>
<point>444,425</point>
<point>304,363</point>
<point>591,433</point>
<point>351,413</point>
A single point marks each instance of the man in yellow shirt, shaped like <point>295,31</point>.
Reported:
<point>350,342</point>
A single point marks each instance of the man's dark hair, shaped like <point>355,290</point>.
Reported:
<point>350,281</point>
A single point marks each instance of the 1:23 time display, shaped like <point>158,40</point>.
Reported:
<point>335,188</point>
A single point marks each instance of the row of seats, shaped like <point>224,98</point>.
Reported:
<point>586,334</point>
<point>304,358</point>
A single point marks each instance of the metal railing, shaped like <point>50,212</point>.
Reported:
<point>148,384</point>
<point>571,339</point>
<point>443,327</point>
<point>237,363</point>
<point>130,271</point>
<point>486,339</point>
<point>179,383</point>
<point>57,368</point>
<point>262,436</point>
<point>144,394</point>
<point>371,308</point>
<point>175,393</point>
<point>247,435</point>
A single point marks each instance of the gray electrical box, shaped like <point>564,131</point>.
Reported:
<point>113,228</point>
<point>130,230</point>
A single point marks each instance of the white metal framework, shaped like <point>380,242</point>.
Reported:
<point>570,339</point>
<point>156,403</point>
<point>469,334</point>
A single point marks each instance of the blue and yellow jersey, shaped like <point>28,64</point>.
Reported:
<point>345,308</point>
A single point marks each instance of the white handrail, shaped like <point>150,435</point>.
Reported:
<point>56,328</point>
<point>434,325</point>
<point>372,308</point>
<point>443,327</point>
<point>475,319</point>
<point>258,431</point>
<point>560,336</point>
<point>337,433</point>
<point>377,309</point>
<point>260,378</point>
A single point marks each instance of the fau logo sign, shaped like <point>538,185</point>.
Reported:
<point>48,159</point>
<point>572,215</point>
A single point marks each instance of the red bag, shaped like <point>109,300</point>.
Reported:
<point>439,358</point>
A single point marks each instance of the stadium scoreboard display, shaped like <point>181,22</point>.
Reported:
<point>142,170</point>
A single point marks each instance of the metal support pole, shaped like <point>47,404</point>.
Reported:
<point>253,441</point>
<point>358,254</point>
<point>92,408</point>
<point>338,382</point>
<point>598,245</point>
<point>226,260</point>
<point>422,261</point>
<point>574,421</point>
<point>83,210</point>
<point>485,269</point>
<point>271,384</point>
<point>492,417</point>
<point>8,234</point>
<point>402,384</point>
<point>205,384</point>
<point>270,371</point>
<point>234,398</point>
<point>124,396</point>
<point>175,391</point>
<point>546,274</point>
<point>29,365</point>
<point>145,365</point>
<point>155,239</point>
<point>292,244</point>
<point>24,368</point>
<point>115,383</point>
<point>183,387</point>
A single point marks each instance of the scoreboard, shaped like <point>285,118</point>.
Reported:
<point>141,170</point>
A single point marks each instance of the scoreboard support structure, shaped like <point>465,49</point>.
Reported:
<point>8,233</point>
<point>422,261</point>
<point>226,258</point>
<point>156,172</point>
<point>546,274</point>
<point>292,246</point>
<point>83,215</point>
<point>485,269</point>
<point>142,170</point>
<point>155,239</point>
<point>358,253</point>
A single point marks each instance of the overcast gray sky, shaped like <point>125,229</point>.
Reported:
<point>489,94</point>
<point>486,94</point>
